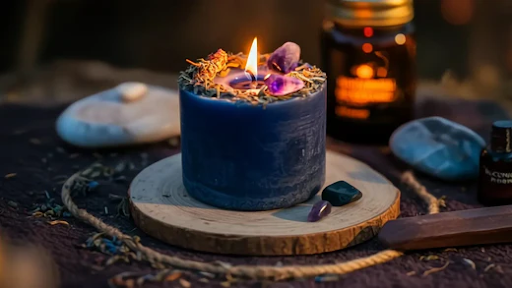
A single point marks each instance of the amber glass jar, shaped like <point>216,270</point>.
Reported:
<point>369,55</point>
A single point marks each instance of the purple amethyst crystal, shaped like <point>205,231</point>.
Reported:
<point>320,210</point>
<point>285,59</point>
<point>279,85</point>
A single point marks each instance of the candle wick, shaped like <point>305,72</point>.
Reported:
<point>252,77</point>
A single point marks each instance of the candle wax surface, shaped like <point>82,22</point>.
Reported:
<point>237,78</point>
<point>240,156</point>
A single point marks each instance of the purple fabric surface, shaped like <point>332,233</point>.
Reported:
<point>22,156</point>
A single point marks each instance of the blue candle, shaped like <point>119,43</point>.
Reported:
<point>241,156</point>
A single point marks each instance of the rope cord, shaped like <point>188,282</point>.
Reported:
<point>253,272</point>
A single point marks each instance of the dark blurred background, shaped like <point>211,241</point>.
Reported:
<point>465,40</point>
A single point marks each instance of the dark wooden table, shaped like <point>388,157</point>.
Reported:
<point>31,149</point>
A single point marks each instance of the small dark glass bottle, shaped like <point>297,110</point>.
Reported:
<point>495,183</point>
<point>369,55</point>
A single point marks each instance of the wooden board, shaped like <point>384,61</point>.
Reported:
<point>469,227</point>
<point>162,208</point>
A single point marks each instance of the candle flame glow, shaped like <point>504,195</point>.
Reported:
<point>252,59</point>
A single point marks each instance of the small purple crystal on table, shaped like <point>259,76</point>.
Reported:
<point>279,85</point>
<point>320,210</point>
<point>285,58</point>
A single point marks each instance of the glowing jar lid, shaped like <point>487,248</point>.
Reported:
<point>377,13</point>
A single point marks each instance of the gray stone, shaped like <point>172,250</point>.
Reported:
<point>131,113</point>
<point>438,147</point>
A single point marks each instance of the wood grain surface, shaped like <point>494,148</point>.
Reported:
<point>450,229</point>
<point>162,208</point>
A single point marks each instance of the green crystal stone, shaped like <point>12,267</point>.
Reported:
<point>341,193</point>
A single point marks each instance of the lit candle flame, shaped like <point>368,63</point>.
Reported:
<point>252,59</point>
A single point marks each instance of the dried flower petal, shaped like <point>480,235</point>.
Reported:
<point>285,58</point>
<point>279,85</point>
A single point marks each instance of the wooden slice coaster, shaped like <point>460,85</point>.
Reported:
<point>162,208</point>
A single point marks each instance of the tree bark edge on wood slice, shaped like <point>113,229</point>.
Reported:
<point>161,208</point>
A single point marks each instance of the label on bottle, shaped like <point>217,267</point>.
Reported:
<point>497,177</point>
<point>368,84</point>
<point>361,92</point>
<point>495,182</point>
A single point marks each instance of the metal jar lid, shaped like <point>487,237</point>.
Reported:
<point>376,13</point>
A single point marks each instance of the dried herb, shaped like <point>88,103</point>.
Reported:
<point>207,274</point>
<point>199,79</point>
<point>86,180</point>
<point>35,141</point>
<point>327,278</point>
<point>56,222</point>
<point>12,204</point>
<point>470,263</point>
<point>74,155</point>
<point>442,201</point>
<point>111,246</point>
<point>185,283</point>
<point>50,209</point>
<point>120,167</point>
<point>124,280</point>
<point>174,142</point>
<point>10,175</point>
<point>122,207</point>
<point>429,257</point>
<point>436,269</point>
<point>173,276</point>
<point>489,267</point>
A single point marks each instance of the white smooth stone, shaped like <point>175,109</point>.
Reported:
<point>131,113</point>
<point>132,91</point>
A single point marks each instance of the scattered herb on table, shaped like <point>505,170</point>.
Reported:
<point>184,283</point>
<point>56,222</point>
<point>442,201</point>
<point>489,267</point>
<point>12,204</point>
<point>129,279</point>
<point>10,175</point>
<point>35,141</point>
<point>436,269</point>
<point>470,263</point>
<point>113,247</point>
<point>429,257</point>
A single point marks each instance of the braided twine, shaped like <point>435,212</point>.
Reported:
<point>246,271</point>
